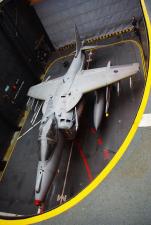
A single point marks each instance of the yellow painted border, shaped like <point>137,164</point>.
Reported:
<point>105,46</point>
<point>13,143</point>
<point>111,164</point>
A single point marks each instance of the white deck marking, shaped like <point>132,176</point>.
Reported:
<point>41,209</point>
<point>35,109</point>
<point>28,130</point>
<point>19,89</point>
<point>146,120</point>
<point>36,114</point>
<point>62,197</point>
<point>9,214</point>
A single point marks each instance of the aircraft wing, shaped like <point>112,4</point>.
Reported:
<point>89,80</point>
<point>45,89</point>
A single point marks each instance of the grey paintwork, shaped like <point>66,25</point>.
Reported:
<point>62,103</point>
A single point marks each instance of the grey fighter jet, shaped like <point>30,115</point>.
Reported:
<point>63,103</point>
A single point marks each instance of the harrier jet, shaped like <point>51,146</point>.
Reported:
<point>63,104</point>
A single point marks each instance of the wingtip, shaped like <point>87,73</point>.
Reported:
<point>137,66</point>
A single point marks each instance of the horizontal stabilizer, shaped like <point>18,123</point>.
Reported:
<point>89,47</point>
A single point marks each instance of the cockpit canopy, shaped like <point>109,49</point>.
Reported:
<point>48,137</point>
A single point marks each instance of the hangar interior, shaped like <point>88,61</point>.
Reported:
<point>37,42</point>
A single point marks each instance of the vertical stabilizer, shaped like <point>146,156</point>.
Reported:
<point>78,41</point>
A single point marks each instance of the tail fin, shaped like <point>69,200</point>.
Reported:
<point>78,41</point>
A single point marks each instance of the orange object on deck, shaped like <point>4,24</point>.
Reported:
<point>34,1</point>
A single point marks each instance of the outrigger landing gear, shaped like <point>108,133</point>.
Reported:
<point>131,83</point>
<point>107,101</point>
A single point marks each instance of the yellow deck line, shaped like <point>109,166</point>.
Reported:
<point>105,46</point>
<point>13,143</point>
<point>111,164</point>
<point>125,41</point>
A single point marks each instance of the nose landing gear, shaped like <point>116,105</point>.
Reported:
<point>70,134</point>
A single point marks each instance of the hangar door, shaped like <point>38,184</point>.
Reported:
<point>92,17</point>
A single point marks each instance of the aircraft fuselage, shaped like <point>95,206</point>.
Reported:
<point>56,104</point>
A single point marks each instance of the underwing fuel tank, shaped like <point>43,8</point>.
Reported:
<point>98,107</point>
<point>47,169</point>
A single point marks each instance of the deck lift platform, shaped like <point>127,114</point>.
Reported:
<point>121,196</point>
